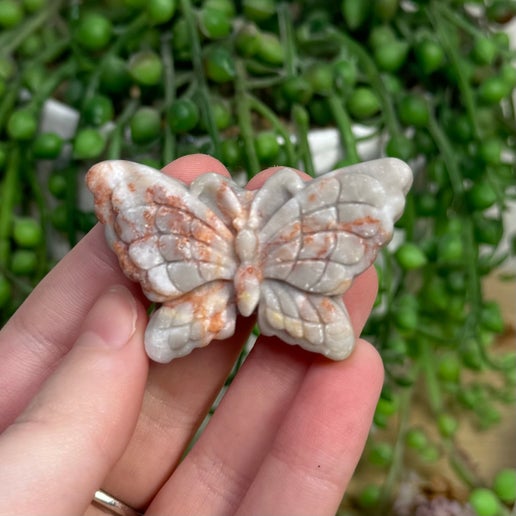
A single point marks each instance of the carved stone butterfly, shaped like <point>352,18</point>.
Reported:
<point>290,249</point>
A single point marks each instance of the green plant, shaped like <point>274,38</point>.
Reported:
<point>246,82</point>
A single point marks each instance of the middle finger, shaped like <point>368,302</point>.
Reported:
<point>177,396</point>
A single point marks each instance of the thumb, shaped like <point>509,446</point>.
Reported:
<point>57,453</point>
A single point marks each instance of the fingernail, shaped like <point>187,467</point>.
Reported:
<point>112,320</point>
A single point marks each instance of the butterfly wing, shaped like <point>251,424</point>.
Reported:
<point>176,246</point>
<point>324,234</point>
<point>191,321</point>
<point>314,322</point>
<point>331,228</point>
<point>165,237</point>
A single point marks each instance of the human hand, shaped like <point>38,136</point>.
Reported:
<point>81,408</point>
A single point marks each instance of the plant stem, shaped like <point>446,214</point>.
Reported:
<point>47,88</point>
<point>300,117</point>
<point>447,152</point>
<point>474,284</point>
<point>471,248</point>
<point>29,168</point>
<point>459,466</point>
<point>71,204</point>
<point>211,126</point>
<point>299,113</point>
<point>115,145</point>
<point>258,83</point>
<point>409,217</point>
<point>511,107</point>
<point>169,145</point>
<point>243,100</point>
<point>8,101</point>
<point>387,288</point>
<point>267,113</point>
<point>399,448</point>
<point>344,126</point>
<point>8,193</point>
<point>51,53</point>
<point>169,139</point>
<point>427,362</point>
<point>287,36</point>
<point>20,34</point>
<point>440,25</point>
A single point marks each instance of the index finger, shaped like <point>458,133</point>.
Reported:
<point>41,332</point>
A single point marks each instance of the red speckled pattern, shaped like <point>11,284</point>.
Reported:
<point>210,249</point>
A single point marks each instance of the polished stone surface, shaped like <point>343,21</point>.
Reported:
<point>209,249</point>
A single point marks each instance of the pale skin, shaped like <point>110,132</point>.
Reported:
<point>81,407</point>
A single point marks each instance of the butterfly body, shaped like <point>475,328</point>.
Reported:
<point>288,250</point>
